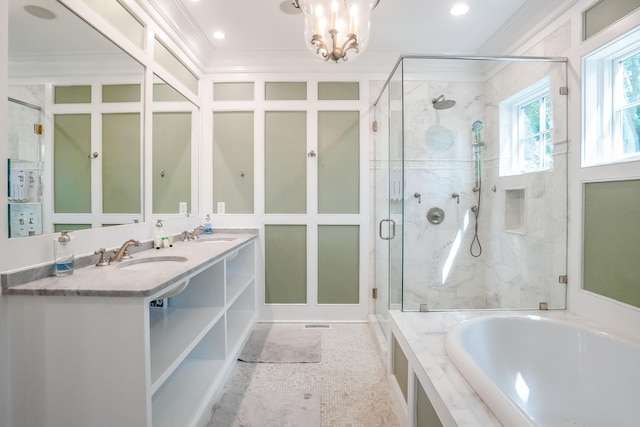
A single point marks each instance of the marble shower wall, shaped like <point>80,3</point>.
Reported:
<point>516,269</point>
<point>23,144</point>
<point>526,265</point>
<point>439,271</point>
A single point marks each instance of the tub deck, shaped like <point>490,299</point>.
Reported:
<point>422,338</point>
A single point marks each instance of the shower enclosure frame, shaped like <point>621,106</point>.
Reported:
<point>389,159</point>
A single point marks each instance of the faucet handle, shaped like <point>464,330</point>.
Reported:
<point>102,261</point>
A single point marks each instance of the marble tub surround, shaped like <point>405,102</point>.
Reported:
<point>422,339</point>
<point>113,281</point>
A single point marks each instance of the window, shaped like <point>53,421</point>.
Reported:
<point>611,122</point>
<point>626,104</point>
<point>525,140</point>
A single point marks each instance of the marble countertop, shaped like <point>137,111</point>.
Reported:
<point>425,333</point>
<point>113,281</point>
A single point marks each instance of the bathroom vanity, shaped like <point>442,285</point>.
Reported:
<point>89,350</point>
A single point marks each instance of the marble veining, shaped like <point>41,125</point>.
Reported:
<point>112,281</point>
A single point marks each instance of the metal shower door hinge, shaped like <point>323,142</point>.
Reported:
<point>374,293</point>
<point>37,128</point>
<point>374,125</point>
<point>563,279</point>
<point>564,90</point>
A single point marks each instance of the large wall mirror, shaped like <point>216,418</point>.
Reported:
<point>75,124</point>
<point>174,153</point>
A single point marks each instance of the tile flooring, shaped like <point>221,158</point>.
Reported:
<point>351,378</point>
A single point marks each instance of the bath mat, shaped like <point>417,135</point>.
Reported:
<point>250,409</point>
<point>283,344</point>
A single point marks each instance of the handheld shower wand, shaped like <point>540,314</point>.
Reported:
<point>476,248</point>
<point>476,128</point>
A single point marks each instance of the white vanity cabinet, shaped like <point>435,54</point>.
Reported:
<point>114,360</point>
<point>195,340</point>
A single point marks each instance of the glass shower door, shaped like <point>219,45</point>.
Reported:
<point>389,190</point>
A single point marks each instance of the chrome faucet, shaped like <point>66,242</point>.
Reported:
<point>192,235</point>
<point>120,254</point>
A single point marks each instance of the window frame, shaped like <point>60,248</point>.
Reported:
<point>512,140</point>
<point>601,115</point>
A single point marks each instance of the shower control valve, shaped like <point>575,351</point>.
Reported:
<point>435,215</point>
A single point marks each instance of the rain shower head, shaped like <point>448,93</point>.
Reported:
<point>440,103</point>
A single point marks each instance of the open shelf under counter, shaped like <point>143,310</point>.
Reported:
<point>174,332</point>
<point>240,319</point>
<point>179,402</point>
<point>240,271</point>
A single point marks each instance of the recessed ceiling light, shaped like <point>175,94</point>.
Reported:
<point>459,9</point>
<point>287,7</point>
<point>218,35</point>
<point>39,12</point>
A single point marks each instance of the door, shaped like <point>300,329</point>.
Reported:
<point>389,199</point>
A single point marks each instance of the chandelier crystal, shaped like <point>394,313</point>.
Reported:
<point>336,29</point>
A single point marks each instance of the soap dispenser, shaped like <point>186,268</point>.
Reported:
<point>207,225</point>
<point>158,234</point>
<point>63,255</point>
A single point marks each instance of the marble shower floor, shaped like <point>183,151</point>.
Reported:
<point>351,379</point>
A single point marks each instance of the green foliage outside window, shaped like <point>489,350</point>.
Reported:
<point>629,105</point>
<point>536,122</point>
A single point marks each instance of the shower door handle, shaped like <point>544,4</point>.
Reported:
<point>393,229</point>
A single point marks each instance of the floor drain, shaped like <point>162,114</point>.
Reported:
<point>317,326</point>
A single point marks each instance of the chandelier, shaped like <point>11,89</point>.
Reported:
<point>336,29</point>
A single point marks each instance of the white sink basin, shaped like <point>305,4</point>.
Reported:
<point>215,239</point>
<point>151,263</point>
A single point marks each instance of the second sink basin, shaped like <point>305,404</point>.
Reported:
<point>141,264</point>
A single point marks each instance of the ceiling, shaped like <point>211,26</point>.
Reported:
<point>268,34</point>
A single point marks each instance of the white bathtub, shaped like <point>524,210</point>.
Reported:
<point>536,371</point>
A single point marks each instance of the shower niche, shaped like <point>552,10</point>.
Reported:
<point>514,211</point>
<point>444,129</point>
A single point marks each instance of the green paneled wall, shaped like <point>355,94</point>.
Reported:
<point>611,264</point>
<point>163,92</point>
<point>338,162</point>
<point>72,94</point>
<point>62,227</point>
<point>338,264</point>
<point>233,91</point>
<point>71,163</point>
<point>171,161</point>
<point>285,91</point>
<point>233,161</point>
<point>400,367</point>
<point>338,91</point>
<point>285,162</point>
<point>604,13</point>
<point>121,179</point>
<point>426,416</point>
<point>285,264</point>
<point>121,93</point>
